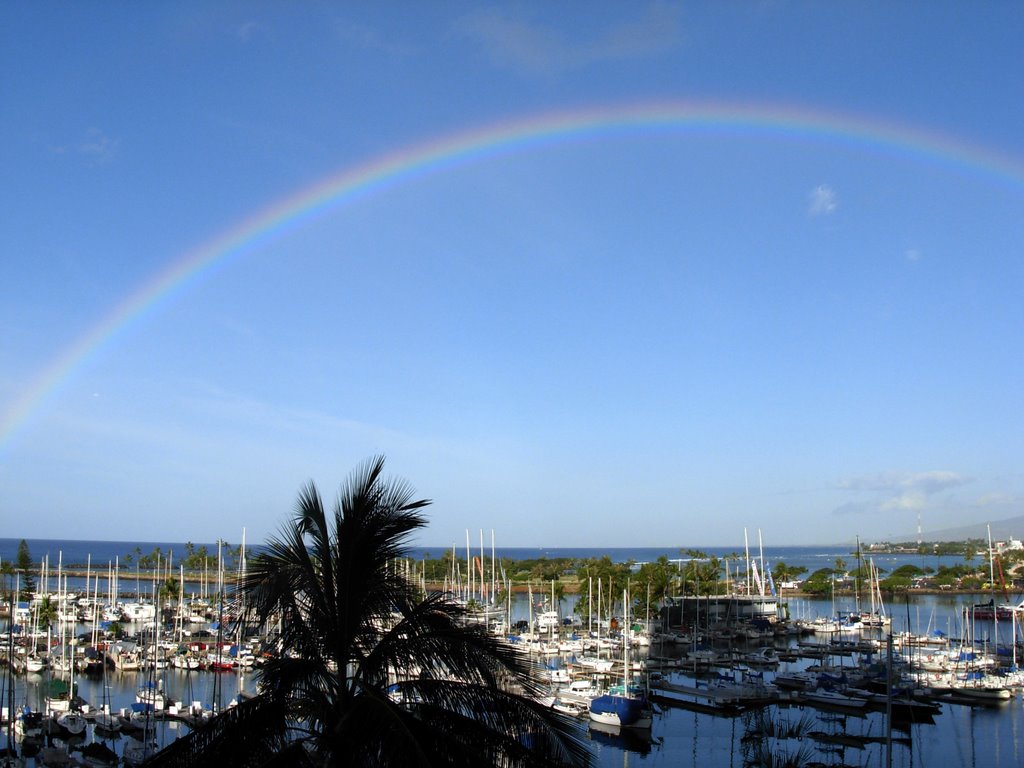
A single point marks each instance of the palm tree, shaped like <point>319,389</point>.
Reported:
<point>370,673</point>
<point>47,614</point>
<point>558,588</point>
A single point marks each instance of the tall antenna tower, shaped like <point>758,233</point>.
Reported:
<point>919,527</point>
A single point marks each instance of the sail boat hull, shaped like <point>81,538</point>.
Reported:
<point>1002,612</point>
<point>623,711</point>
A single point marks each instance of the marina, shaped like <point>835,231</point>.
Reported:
<point>716,694</point>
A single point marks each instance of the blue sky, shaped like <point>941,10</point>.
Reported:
<point>802,315</point>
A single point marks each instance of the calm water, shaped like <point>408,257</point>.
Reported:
<point>119,688</point>
<point>961,737</point>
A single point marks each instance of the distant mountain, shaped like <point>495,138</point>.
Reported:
<point>1001,531</point>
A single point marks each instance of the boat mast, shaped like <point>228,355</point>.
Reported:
<point>627,641</point>
<point>483,562</point>
<point>217,686</point>
<point>88,572</point>
<point>455,587</point>
<point>96,615</point>
<point>760,548</point>
<point>508,601</point>
<point>469,569</point>
<point>181,603</point>
<point>553,627</point>
<point>9,668</point>
<point>856,581</point>
<point>62,596</point>
<point>1013,639</point>
<point>529,596</point>
<point>746,551</point>
<point>991,571</point>
<point>590,605</point>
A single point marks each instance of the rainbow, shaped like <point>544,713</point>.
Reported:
<point>475,146</point>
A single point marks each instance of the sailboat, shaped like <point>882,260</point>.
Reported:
<point>9,755</point>
<point>623,705</point>
<point>137,752</point>
<point>104,720</point>
<point>34,662</point>
<point>98,754</point>
<point>877,618</point>
<point>72,722</point>
<point>149,699</point>
<point>68,712</point>
<point>991,610</point>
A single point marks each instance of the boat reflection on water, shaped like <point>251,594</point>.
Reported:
<point>637,740</point>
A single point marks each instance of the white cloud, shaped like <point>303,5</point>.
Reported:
<point>98,146</point>
<point>928,482</point>
<point>995,500</point>
<point>933,482</point>
<point>897,492</point>
<point>913,254</point>
<point>911,501</point>
<point>247,30</point>
<point>361,36</point>
<point>853,508</point>
<point>534,47</point>
<point>822,201</point>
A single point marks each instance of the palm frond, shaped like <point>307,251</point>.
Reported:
<point>351,627</point>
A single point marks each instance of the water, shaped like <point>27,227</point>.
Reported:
<point>961,737</point>
<point>118,689</point>
<point>73,552</point>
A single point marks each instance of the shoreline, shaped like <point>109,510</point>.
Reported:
<point>569,584</point>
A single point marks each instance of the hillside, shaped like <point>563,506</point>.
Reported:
<point>1001,530</point>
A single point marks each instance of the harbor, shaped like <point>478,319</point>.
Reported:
<point>816,687</point>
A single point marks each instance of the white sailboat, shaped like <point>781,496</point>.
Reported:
<point>624,705</point>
